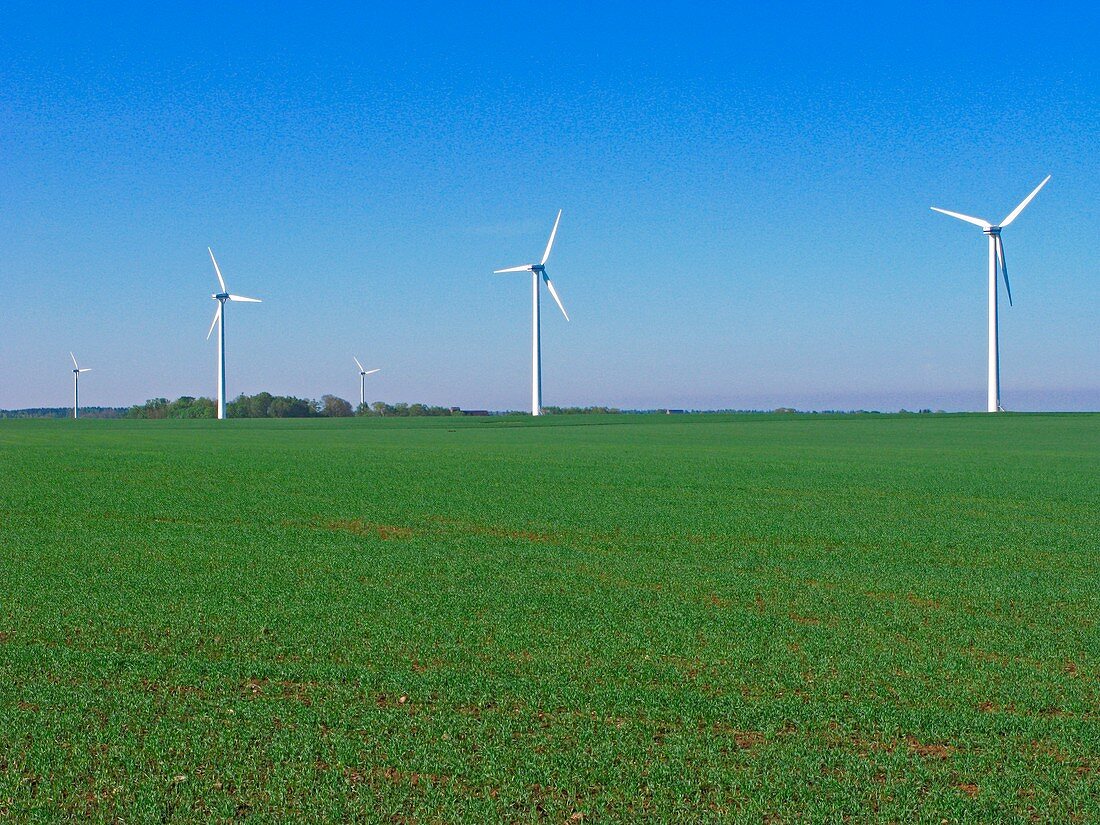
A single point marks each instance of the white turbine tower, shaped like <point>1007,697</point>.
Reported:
<point>219,320</point>
<point>538,271</point>
<point>77,369</point>
<point>363,380</point>
<point>996,259</point>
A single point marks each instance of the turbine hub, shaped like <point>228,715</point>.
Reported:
<point>993,230</point>
<point>220,296</point>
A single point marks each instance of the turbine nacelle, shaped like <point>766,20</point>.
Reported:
<point>993,231</point>
<point>363,370</point>
<point>77,369</point>
<point>223,296</point>
<point>540,267</point>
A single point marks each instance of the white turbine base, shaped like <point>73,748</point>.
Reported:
<point>993,394</point>
<point>536,348</point>
<point>221,362</point>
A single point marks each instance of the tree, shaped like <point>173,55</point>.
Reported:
<point>259,405</point>
<point>285,406</point>
<point>335,407</point>
<point>153,408</point>
<point>187,407</point>
<point>238,407</point>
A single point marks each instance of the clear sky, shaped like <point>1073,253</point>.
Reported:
<point>746,195</point>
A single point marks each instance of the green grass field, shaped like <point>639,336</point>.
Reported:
<point>759,618</point>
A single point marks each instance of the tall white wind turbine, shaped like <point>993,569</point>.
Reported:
<point>77,369</point>
<point>996,260</point>
<point>363,380</point>
<point>538,271</point>
<point>219,320</point>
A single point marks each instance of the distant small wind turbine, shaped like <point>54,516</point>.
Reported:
<point>996,257</point>
<point>538,270</point>
<point>363,380</point>
<point>77,369</point>
<point>219,320</point>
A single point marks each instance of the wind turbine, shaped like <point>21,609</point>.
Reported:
<point>538,270</point>
<point>363,380</point>
<point>219,320</point>
<point>996,259</point>
<point>77,369</point>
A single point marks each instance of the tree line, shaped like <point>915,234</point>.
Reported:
<point>65,412</point>
<point>266,405</point>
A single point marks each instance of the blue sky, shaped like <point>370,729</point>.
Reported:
<point>746,197</point>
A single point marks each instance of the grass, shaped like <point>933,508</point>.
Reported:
<point>761,618</point>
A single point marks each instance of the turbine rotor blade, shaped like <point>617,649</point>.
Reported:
<point>246,300</point>
<point>1015,212</point>
<point>85,369</point>
<point>74,360</point>
<point>356,360</point>
<point>1004,267</point>
<point>524,268</point>
<point>554,292</point>
<point>550,243</point>
<point>217,315</point>
<point>372,372</point>
<point>218,271</point>
<point>961,217</point>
